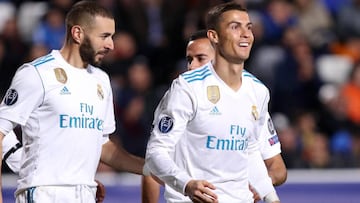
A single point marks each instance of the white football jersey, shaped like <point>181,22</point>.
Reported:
<point>269,140</point>
<point>203,129</point>
<point>66,114</point>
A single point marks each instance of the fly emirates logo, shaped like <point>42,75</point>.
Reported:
<point>86,120</point>
<point>237,142</point>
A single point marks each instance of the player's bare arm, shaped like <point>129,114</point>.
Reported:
<point>118,158</point>
<point>276,169</point>
<point>150,190</point>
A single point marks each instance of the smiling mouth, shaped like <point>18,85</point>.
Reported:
<point>244,44</point>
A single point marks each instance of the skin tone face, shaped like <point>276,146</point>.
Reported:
<point>198,53</point>
<point>234,37</point>
<point>97,41</point>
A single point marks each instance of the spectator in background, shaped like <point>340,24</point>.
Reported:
<point>346,25</point>
<point>351,93</point>
<point>290,140</point>
<point>296,83</point>
<point>318,152</point>
<point>333,6</point>
<point>348,31</point>
<point>125,51</point>
<point>15,51</point>
<point>134,107</point>
<point>50,31</point>
<point>310,136</point>
<point>315,22</point>
<point>277,16</point>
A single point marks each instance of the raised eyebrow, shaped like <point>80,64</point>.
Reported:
<point>239,23</point>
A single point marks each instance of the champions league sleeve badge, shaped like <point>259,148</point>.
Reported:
<point>271,127</point>
<point>60,75</point>
<point>213,93</point>
<point>11,97</point>
<point>166,123</point>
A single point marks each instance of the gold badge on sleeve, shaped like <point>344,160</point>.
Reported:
<point>60,75</point>
<point>254,112</point>
<point>213,93</point>
<point>100,92</point>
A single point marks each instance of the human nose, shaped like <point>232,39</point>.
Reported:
<point>246,32</point>
<point>109,44</point>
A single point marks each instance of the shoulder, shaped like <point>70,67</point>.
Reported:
<point>43,60</point>
<point>257,84</point>
<point>197,75</point>
<point>196,79</point>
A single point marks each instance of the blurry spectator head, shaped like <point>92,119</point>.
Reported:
<point>7,11</point>
<point>318,152</point>
<point>124,46</point>
<point>139,75</point>
<point>328,93</point>
<point>10,29</point>
<point>36,51</point>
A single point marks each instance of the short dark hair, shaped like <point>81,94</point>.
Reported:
<point>200,34</point>
<point>214,14</point>
<point>83,13</point>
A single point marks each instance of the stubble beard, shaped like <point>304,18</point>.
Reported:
<point>87,53</point>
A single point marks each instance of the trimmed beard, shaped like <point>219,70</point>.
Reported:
<point>87,52</point>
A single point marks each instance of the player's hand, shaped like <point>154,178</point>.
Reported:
<point>200,191</point>
<point>100,192</point>
<point>256,196</point>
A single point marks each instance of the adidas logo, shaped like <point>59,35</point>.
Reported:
<point>215,111</point>
<point>65,90</point>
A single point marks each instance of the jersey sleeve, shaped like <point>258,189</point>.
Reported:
<point>269,141</point>
<point>26,93</point>
<point>170,119</point>
<point>258,174</point>
<point>109,125</point>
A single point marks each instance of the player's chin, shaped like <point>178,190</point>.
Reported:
<point>97,61</point>
<point>99,58</point>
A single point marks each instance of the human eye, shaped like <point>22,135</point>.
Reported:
<point>234,26</point>
<point>202,59</point>
<point>189,59</point>
<point>250,27</point>
<point>105,35</point>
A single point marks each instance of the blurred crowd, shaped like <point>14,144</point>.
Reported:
<point>307,52</point>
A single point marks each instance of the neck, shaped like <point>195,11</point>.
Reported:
<point>229,72</point>
<point>71,54</point>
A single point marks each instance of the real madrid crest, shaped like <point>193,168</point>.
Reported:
<point>254,112</point>
<point>60,75</point>
<point>100,92</point>
<point>213,93</point>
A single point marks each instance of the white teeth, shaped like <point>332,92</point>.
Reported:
<point>244,44</point>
